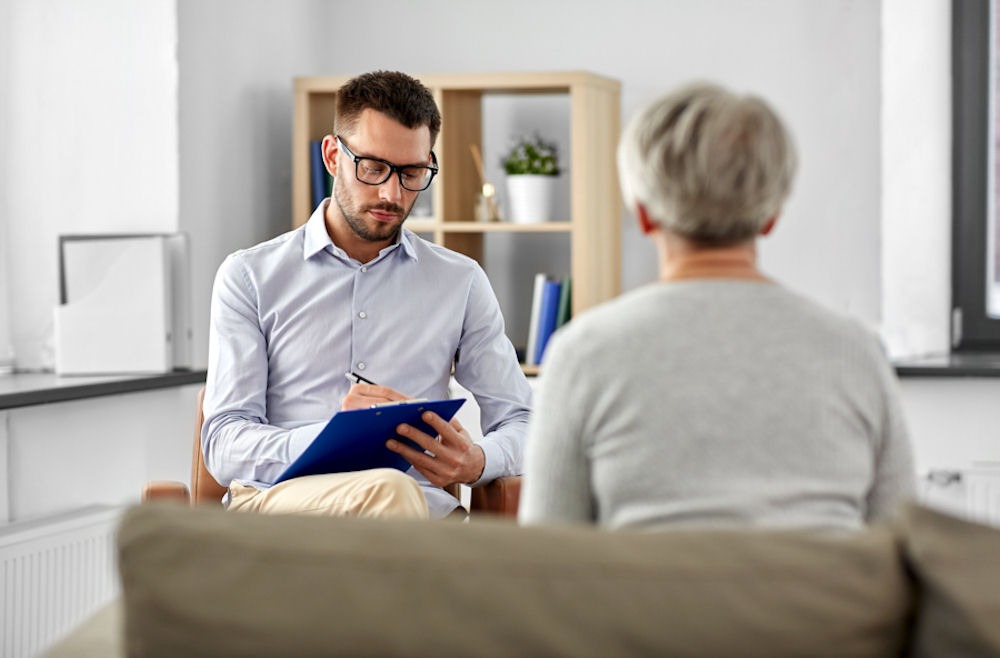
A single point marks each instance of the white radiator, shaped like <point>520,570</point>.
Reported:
<point>54,573</point>
<point>972,493</point>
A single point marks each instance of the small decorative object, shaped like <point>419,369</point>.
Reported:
<point>486,203</point>
<point>532,167</point>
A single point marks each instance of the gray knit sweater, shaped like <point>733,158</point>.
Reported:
<point>715,402</point>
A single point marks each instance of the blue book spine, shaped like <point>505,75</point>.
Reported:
<point>548,314</point>
<point>318,171</point>
<point>531,351</point>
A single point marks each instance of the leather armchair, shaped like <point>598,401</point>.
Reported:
<point>499,497</point>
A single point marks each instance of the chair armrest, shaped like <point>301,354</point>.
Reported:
<point>166,490</point>
<point>499,497</point>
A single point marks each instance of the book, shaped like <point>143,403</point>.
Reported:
<point>318,174</point>
<point>354,440</point>
<point>536,301</point>
<point>565,302</point>
<point>548,313</point>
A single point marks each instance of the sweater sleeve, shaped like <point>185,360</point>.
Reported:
<point>895,479</point>
<point>557,486</point>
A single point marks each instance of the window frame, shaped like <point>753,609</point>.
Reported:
<point>971,329</point>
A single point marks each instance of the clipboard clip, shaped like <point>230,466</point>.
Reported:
<point>393,403</point>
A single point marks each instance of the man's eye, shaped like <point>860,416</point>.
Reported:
<point>373,168</point>
<point>413,173</point>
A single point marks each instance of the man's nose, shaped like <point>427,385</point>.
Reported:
<point>391,189</point>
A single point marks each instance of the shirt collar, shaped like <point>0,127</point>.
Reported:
<point>317,239</point>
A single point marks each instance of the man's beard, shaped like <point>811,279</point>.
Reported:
<point>354,215</point>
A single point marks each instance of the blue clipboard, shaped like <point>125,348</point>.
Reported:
<point>355,440</point>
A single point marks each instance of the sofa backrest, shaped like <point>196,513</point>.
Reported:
<point>208,582</point>
<point>955,564</point>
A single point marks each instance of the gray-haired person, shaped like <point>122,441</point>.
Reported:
<point>714,396</point>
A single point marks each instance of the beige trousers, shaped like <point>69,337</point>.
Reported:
<point>379,492</point>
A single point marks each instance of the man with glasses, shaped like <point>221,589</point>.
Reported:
<point>353,291</point>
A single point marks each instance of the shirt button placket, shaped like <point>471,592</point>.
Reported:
<point>361,365</point>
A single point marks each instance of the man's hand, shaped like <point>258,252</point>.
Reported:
<point>453,459</point>
<point>363,396</point>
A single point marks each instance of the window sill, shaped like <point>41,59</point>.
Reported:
<point>956,364</point>
<point>24,389</point>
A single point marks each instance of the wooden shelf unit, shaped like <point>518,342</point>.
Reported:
<point>594,227</point>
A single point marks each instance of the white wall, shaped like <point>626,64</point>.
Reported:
<point>66,455</point>
<point>176,115</point>
<point>864,85</point>
<point>90,130</point>
<point>96,98</point>
<point>6,344</point>
<point>817,61</point>
<point>953,422</point>
<point>916,176</point>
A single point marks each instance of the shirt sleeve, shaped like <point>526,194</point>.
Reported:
<point>487,366</point>
<point>237,441</point>
<point>895,477</point>
<point>557,487</point>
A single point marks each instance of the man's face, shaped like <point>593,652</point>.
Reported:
<point>375,213</point>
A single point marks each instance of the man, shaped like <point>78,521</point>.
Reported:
<point>352,290</point>
<point>714,396</point>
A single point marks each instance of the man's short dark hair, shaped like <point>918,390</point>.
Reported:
<point>394,94</point>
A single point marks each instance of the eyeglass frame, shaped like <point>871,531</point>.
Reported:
<point>393,168</point>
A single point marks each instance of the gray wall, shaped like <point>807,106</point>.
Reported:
<point>176,115</point>
<point>817,61</point>
<point>237,60</point>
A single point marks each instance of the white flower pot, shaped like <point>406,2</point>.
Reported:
<point>531,198</point>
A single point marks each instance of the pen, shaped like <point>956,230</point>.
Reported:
<point>358,379</point>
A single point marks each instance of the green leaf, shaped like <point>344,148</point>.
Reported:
<point>532,156</point>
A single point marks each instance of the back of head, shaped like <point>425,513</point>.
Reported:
<point>706,164</point>
<point>397,95</point>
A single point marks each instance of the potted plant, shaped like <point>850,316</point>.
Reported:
<point>532,168</point>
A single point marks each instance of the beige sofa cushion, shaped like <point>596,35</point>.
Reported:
<point>100,636</point>
<point>203,582</point>
<point>957,564</point>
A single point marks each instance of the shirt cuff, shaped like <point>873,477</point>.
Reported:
<point>493,467</point>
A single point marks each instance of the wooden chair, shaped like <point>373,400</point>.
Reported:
<point>499,497</point>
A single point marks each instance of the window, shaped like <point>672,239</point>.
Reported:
<point>975,176</point>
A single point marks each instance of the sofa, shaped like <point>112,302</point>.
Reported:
<point>202,582</point>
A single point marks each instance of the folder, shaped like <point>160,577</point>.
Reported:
<point>354,440</point>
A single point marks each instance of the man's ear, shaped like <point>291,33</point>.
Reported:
<point>330,151</point>
<point>769,225</point>
<point>646,225</point>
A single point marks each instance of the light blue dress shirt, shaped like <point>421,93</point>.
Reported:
<point>290,316</point>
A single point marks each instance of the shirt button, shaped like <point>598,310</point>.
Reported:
<point>364,269</point>
<point>361,365</point>
<point>362,315</point>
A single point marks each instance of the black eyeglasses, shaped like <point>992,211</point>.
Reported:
<point>373,171</point>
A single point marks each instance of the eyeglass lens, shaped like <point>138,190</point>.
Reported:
<point>372,171</point>
<point>376,172</point>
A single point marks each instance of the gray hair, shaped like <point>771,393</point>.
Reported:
<point>708,165</point>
